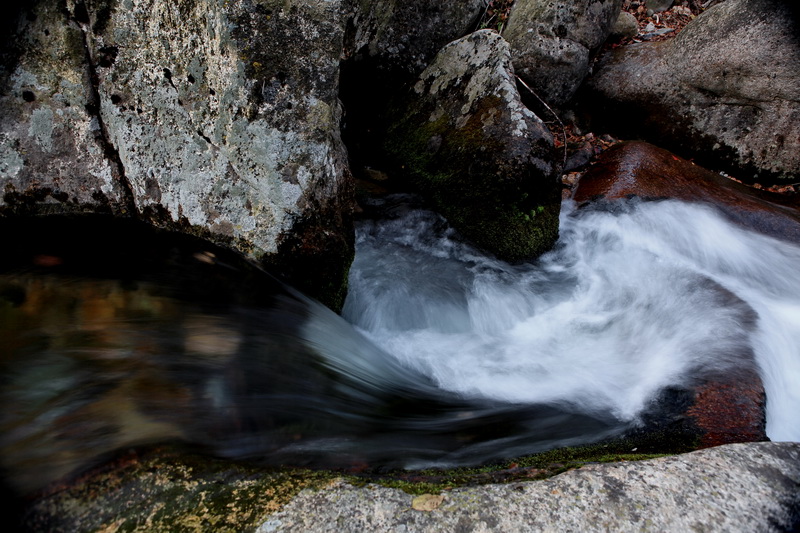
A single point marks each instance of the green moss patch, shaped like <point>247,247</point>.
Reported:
<point>474,177</point>
<point>533,467</point>
<point>169,491</point>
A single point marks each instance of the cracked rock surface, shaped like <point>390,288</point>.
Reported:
<point>220,119</point>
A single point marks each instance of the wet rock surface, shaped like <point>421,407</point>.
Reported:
<point>724,90</point>
<point>463,137</point>
<point>648,172</point>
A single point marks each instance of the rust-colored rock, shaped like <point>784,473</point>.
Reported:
<point>729,410</point>
<point>643,170</point>
<point>722,409</point>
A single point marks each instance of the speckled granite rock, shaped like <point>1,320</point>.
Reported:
<point>217,118</point>
<point>738,487</point>
<point>463,137</point>
<point>53,155</point>
<point>725,91</point>
<point>405,35</point>
<point>552,42</point>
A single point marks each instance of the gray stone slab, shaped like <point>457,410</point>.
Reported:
<point>738,487</point>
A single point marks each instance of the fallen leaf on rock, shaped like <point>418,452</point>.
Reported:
<point>427,502</point>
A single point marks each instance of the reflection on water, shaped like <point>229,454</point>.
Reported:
<point>88,368</point>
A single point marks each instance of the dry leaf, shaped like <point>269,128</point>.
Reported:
<point>427,502</point>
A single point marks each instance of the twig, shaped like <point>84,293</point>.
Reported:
<point>481,23</point>
<point>563,128</point>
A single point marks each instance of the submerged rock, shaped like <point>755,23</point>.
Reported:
<point>552,42</point>
<point>725,91</point>
<point>464,139</point>
<point>220,119</point>
<point>723,408</point>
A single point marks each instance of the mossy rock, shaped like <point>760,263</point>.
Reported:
<point>165,489</point>
<point>463,138</point>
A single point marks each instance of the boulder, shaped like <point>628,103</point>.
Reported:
<point>725,91</point>
<point>552,42</point>
<point>219,119</point>
<point>657,6</point>
<point>463,138</point>
<point>643,170</point>
<point>626,26</point>
<point>393,35</point>
<point>738,487</point>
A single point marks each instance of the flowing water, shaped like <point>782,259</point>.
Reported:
<point>455,358</point>
<point>632,300</point>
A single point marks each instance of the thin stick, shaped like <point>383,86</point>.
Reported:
<point>483,17</point>
<point>563,128</point>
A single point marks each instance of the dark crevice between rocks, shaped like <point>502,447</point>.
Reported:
<point>365,93</point>
<point>313,260</point>
<point>14,23</point>
<point>128,208</point>
<point>371,88</point>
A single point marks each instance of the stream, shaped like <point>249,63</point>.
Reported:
<point>443,356</point>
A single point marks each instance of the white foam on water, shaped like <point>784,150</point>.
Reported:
<point>628,303</point>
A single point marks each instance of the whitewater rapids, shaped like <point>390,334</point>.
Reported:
<point>631,300</point>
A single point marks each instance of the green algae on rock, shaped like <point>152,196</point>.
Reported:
<point>464,139</point>
<point>165,490</point>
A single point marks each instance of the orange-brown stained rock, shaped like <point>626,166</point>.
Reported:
<point>646,171</point>
<point>729,410</point>
<point>726,409</point>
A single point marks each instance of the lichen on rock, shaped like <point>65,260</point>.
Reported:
<point>215,118</point>
<point>462,136</point>
<point>52,156</point>
<point>725,91</point>
<point>552,43</point>
<point>167,490</point>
